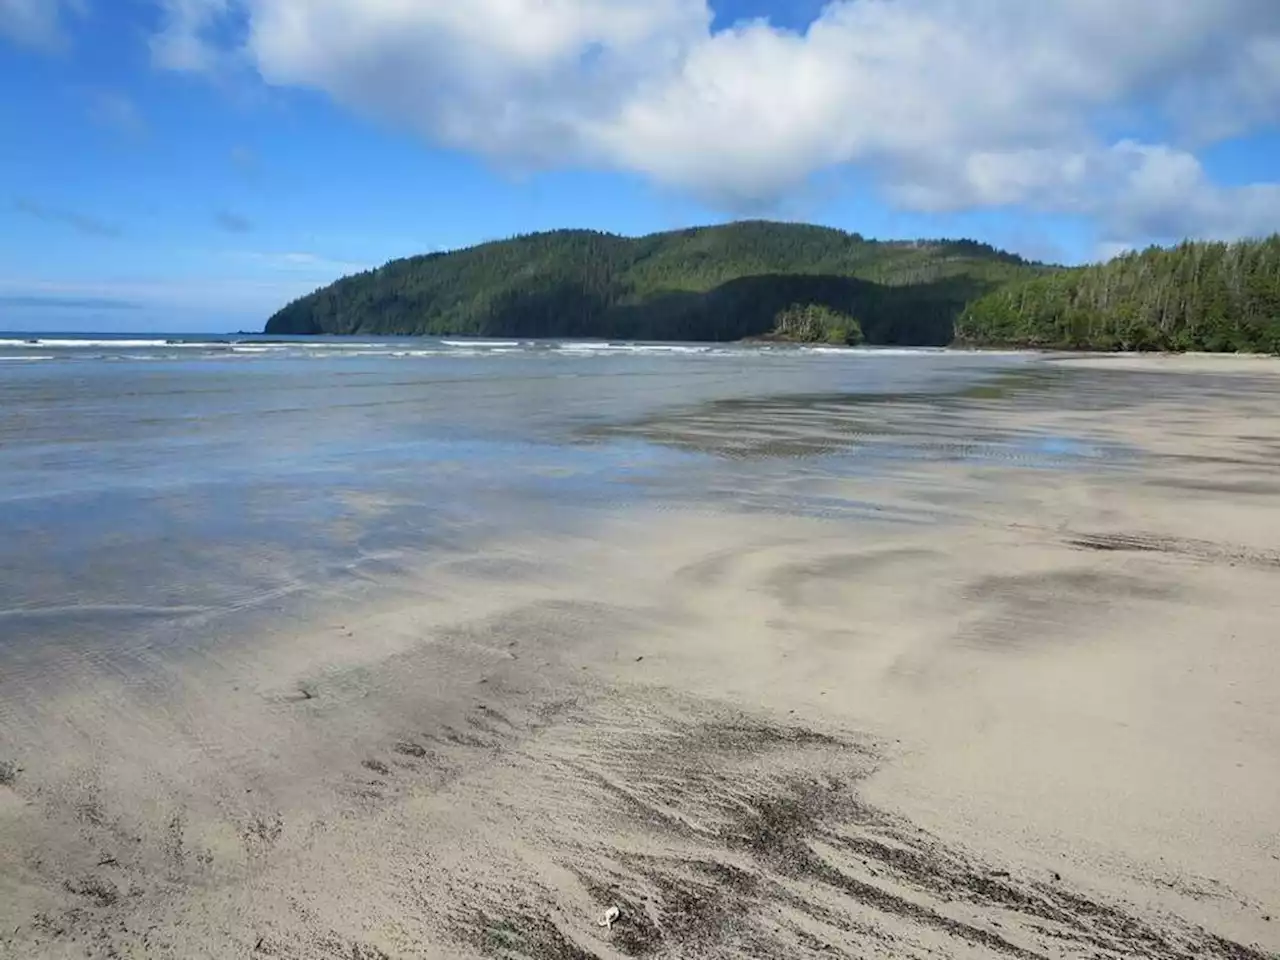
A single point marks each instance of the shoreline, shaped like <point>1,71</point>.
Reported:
<point>1179,362</point>
<point>1038,720</point>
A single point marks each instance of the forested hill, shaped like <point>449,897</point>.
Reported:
<point>1197,296</point>
<point>709,283</point>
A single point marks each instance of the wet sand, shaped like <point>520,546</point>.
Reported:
<point>1002,709</point>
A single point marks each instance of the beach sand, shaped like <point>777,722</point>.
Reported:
<point>1005,710</point>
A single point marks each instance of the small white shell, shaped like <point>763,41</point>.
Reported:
<point>609,917</point>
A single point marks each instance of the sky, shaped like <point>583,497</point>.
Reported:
<point>193,165</point>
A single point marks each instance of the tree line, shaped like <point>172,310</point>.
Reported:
<point>1201,296</point>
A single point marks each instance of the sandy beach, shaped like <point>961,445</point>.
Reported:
<point>999,710</point>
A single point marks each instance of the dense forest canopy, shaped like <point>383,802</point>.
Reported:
<point>735,281</point>
<point>1196,296</point>
<point>814,323</point>
<point>709,283</point>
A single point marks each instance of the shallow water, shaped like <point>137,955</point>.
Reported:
<point>149,487</point>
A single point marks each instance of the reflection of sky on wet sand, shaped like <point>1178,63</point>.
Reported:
<point>141,500</point>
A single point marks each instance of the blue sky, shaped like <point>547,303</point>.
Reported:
<point>194,164</point>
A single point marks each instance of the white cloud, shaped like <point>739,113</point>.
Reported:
<point>300,262</point>
<point>1132,191</point>
<point>182,43</point>
<point>35,23</point>
<point>949,103</point>
<point>1165,193</point>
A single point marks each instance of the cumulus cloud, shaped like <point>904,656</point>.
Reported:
<point>1133,191</point>
<point>1162,192</point>
<point>948,103</point>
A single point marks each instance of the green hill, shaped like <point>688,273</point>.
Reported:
<point>708,283</point>
<point>1196,296</point>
